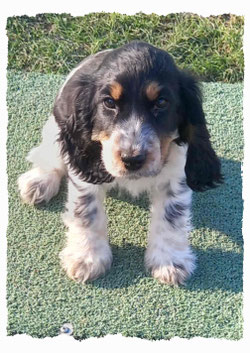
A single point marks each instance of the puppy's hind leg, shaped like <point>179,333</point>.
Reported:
<point>42,182</point>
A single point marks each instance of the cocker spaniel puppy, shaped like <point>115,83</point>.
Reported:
<point>130,118</point>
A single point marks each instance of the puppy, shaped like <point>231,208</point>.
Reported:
<point>125,118</point>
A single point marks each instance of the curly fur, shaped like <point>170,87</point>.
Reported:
<point>125,118</point>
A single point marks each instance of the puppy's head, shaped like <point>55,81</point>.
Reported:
<point>121,111</point>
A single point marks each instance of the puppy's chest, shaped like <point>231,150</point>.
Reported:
<point>134,187</point>
<point>147,184</point>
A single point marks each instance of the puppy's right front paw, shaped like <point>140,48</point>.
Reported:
<point>84,266</point>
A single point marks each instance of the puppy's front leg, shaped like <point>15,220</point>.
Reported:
<point>168,256</point>
<point>87,254</point>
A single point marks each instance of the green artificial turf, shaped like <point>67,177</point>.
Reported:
<point>40,296</point>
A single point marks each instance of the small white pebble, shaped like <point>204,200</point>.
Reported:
<point>66,329</point>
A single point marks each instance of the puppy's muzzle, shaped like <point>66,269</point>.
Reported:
<point>133,162</point>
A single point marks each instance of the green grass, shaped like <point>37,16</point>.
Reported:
<point>51,43</point>
<point>40,296</point>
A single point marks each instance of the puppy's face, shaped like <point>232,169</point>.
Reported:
<point>136,116</point>
<point>120,111</point>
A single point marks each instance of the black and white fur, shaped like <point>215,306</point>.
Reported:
<point>130,118</point>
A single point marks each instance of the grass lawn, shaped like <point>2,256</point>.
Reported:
<point>211,47</point>
<point>40,296</point>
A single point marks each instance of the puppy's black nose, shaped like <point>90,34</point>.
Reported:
<point>133,162</point>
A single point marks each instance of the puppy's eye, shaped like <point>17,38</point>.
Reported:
<point>109,103</point>
<point>161,103</point>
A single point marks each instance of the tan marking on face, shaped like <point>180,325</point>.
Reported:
<point>116,90</point>
<point>112,157</point>
<point>117,163</point>
<point>165,144</point>
<point>153,90</point>
<point>101,136</point>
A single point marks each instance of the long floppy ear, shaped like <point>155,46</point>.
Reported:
<point>203,170</point>
<point>73,111</point>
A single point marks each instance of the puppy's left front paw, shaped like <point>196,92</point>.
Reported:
<point>170,274</point>
<point>172,271</point>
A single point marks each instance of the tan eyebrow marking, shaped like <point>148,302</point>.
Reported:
<point>101,136</point>
<point>152,90</point>
<point>116,90</point>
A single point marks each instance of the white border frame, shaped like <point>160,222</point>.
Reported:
<point>112,343</point>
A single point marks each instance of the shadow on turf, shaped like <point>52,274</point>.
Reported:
<point>215,270</point>
<point>219,209</point>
